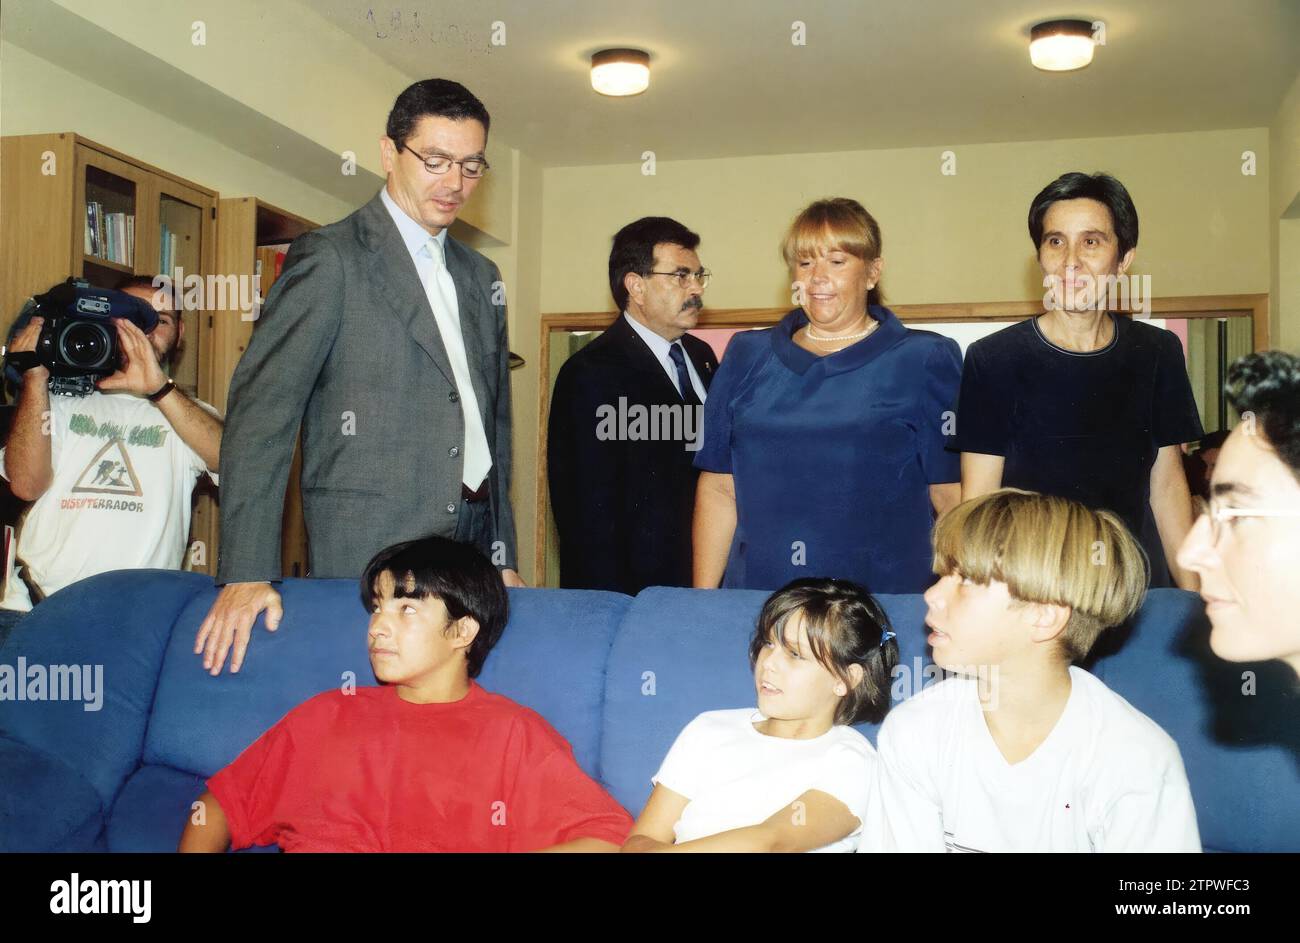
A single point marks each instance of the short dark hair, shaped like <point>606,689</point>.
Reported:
<point>1101,187</point>
<point>456,573</point>
<point>1267,383</point>
<point>441,98</point>
<point>845,627</point>
<point>135,281</point>
<point>1212,440</point>
<point>634,250</point>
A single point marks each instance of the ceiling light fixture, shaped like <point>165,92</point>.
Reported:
<point>1061,45</point>
<point>620,72</point>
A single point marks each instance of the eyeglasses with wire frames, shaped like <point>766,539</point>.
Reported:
<point>1219,513</point>
<point>440,164</point>
<point>684,278</point>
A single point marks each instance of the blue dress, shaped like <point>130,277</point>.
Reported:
<point>833,456</point>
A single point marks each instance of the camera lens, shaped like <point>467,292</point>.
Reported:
<point>85,345</point>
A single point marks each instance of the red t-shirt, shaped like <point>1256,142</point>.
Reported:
<point>369,771</point>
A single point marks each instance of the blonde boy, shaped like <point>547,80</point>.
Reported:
<point>1024,751</point>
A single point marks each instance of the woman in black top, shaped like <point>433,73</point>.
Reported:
<point>1079,401</point>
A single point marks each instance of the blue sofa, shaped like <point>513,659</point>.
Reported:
<point>619,677</point>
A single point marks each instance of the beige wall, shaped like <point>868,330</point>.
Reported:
<point>37,96</point>
<point>1286,290</point>
<point>266,80</point>
<point>1284,209</point>
<point>520,263</point>
<point>946,238</point>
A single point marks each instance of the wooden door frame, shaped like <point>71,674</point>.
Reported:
<point>1188,306</point>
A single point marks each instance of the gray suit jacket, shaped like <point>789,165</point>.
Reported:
<point>347,346</point>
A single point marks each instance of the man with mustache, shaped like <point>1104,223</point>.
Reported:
<point>626,417</point>
<point>385,339</point>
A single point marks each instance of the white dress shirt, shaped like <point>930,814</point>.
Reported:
<point>428,254</point>
<point>660,347</point>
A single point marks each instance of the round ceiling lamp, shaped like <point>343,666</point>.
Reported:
<point>620,72</point>
<point>1061,45</point>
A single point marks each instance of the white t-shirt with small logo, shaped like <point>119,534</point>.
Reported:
<point>735,776</point>
<point>119,498</point>
<point>1106,778</point>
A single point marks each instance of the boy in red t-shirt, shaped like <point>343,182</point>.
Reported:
<point>430,761</point>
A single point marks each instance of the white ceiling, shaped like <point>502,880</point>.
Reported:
<point>727,80</point>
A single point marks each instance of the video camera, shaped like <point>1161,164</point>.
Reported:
<point>78,341</point>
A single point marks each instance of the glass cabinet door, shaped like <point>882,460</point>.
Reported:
<point>179,249</point>
<point>110,194</point>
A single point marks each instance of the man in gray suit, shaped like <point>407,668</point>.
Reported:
<point>385,339</point>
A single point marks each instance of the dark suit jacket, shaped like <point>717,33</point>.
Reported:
<point>622,508</point>
<point>347,346</point>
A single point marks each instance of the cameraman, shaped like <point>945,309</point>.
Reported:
<point>110,474</point>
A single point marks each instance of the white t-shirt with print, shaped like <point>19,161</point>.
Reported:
<point>1106,778</point>
<point>735,776</point>
<point>119,498</point>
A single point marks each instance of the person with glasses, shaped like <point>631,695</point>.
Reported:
<point>623,492</point>
<point>824,437</point>
<point>384,339</point>
<point>1245,546</point>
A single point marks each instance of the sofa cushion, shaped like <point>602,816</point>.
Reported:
<point>150,811</point>
<point>118,624</point>
<point>1235,724</point>
<point>45,804</point>
<point>200,723</point>
<point>681,652</point>
<point>552,658</point>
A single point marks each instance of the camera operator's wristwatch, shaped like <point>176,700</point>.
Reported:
<point>163,391</point>
<point>22,360</point>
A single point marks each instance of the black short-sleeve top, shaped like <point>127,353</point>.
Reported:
<point>1081,425</point>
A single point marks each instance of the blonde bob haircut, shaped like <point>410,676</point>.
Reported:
<point>1048,549</point>
<point>837,223</point>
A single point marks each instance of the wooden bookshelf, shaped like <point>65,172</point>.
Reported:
<point>91,261</point>
<point>46,183</point>
<point>251,231</point>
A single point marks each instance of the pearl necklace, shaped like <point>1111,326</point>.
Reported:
<point>833,338</point>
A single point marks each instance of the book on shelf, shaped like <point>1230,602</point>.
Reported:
<point>109,236</point>
<point>167,255</point>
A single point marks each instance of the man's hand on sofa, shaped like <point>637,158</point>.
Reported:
<point>230,623</point>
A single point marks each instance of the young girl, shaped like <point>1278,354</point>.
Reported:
<point>791,775</point>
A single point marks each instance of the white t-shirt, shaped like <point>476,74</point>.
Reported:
<point>1107,778</point>
<point>735,776</point>
<point>119,499</point>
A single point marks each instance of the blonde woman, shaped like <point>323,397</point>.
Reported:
<point>824,436</point>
